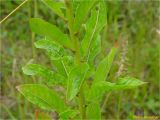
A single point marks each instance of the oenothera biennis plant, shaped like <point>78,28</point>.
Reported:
<point>73,56</point>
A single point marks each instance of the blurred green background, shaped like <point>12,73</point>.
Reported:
<point>134,24</point>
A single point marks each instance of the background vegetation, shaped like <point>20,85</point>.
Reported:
<point>133,24</point>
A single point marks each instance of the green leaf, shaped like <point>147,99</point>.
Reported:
<point>90,31</point>
<point>54,50</point>
<point>102,16</point>
<point>93,27</point>
<point>101,74</point>
<point>57,54</point>
<point>102,87</point>
<point>95,50</point>
<point>82,12</point>
<point>93,111</point>
<point>90,73</point>
<point>49,76</point>
<point>104,66</point>
<point>55,7</point>
<point>75,80</point>
<point>44,28</point>
<point>128,83</point>
<point>96,92</point>
<point>68,114</point>
<point>68,63</point>
<point>65,65</point>
<point>75,4</point>
<point>59,67</point>
<point>43,97</point>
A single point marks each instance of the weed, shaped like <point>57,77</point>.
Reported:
<point>73,55</point>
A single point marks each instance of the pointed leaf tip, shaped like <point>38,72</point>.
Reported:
<point>18,87</point>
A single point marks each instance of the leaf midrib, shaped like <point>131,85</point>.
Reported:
<point>88,48</point>
<point>40,99</point>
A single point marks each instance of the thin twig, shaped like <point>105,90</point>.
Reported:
<point>13,11</point>
<point>105,102</point>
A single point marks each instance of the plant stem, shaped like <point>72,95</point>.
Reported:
<point>105,102</point>
<point>21,113</point>
<point>82,103</point>
<point>119,106</point>
<point>77,52</point>
<point>33,34</point>
<point>13,11</point>
<point>70,24</point>
<point>8,111</point>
